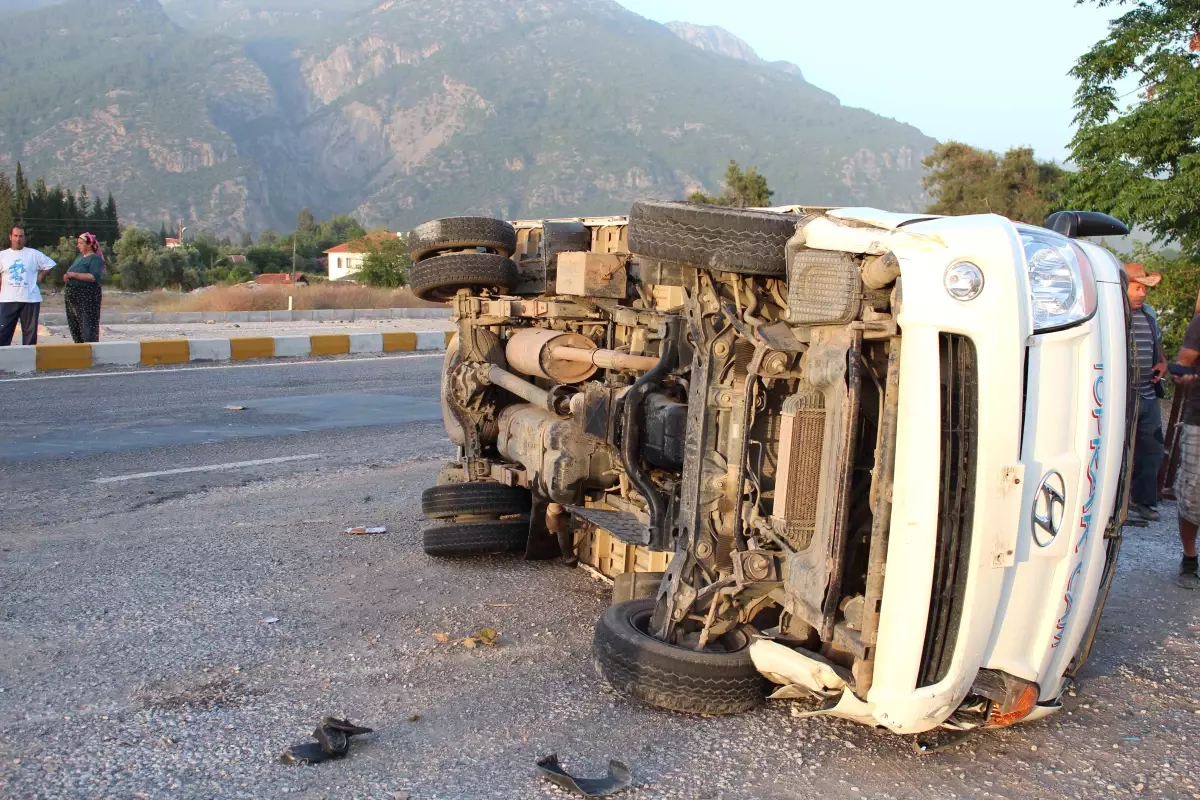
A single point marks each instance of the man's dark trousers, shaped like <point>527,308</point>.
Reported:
<point>27,313</point>
<point>1148,451</point>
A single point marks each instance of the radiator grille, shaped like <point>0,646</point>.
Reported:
<point>956,503</point>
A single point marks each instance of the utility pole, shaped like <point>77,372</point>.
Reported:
<point>294,258</point>
<point>181,230</point>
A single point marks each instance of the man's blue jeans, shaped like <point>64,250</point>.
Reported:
<point>1148,450</point>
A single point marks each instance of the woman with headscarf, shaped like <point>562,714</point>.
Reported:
<point>82,293</point>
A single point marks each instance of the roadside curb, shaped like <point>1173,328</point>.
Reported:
<point>23,359</point>
<point>319,315</point>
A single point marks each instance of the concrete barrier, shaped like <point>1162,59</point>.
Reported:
<point>23,359</point>
<point>116,354</point>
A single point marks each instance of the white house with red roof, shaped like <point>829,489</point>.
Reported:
<point>346,259</point>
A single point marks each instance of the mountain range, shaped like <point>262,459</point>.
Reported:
<point>235,114</point>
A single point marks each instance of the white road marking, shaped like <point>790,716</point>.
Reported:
<point>164,370</point>
<point>211,468</point>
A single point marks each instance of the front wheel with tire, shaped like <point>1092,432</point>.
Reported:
<point>477,538</point>
<point>721,679</point>
<point>441,277</point>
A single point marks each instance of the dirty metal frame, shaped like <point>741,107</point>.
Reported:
<point>881,522</point>
<point>695,544</point>
<point>658,534</point>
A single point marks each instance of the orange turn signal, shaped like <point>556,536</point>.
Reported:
<point>1019,709</point>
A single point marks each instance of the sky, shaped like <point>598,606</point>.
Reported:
<point>993,75</point>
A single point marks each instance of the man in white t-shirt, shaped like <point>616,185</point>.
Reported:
<point>21,269</point>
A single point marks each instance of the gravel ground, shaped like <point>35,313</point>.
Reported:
<point>137,662</point>
<point>61,334</point>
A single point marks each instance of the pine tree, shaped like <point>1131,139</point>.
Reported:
<point>85,204</point>
<point>112,225</point>
<point>96,218</point>
<point>20,196</point>
<point>7,201</point>
<point>162,234</point>
<point>72,224</point>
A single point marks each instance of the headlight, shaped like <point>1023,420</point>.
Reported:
<point>1060,280</point>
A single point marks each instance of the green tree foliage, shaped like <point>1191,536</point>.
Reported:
<point>228,275</point>
<point>306,226</point>
<point>743,188</point>
<point>1175,298</point>
<point>267,258</point>
<point>7,212</point>
<point>144,265</point>
<point>50,213</point>
<point>386,263</point>
<point>966,180</point>
<point>1141,161</point>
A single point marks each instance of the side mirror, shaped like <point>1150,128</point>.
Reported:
<point>1074,224</point>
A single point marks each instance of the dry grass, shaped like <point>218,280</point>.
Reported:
<point>116,300</point>
<point>274,298</point>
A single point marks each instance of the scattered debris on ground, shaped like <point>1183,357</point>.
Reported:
<point>362,530</point>
<point>332,741</point>
<point>235,408</point>
<point>486,636</point>
<point>619,777</point>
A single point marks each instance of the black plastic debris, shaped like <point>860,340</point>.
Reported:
<point>619,777</point>
<point>332,741</point>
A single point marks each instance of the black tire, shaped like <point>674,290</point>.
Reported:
<point>477,538</point>
<point>461,233</point>
<point>458,499</point>
<point>670,677</point>
<point>439,278</point>
<point>738,240</point>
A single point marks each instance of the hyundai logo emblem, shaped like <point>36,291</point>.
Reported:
<point>1049,507</point>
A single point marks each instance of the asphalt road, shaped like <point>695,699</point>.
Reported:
<point>136,659</point>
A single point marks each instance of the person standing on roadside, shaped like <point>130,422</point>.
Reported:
<point>1149,446</point>
<point>82,292</point>
<point>21,269</point>
<point>1187,479</point>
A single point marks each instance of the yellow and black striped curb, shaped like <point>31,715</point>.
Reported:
<point>22,359</point>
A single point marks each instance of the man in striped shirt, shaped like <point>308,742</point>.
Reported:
<point>1152,365</point>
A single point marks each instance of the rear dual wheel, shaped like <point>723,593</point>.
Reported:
<point>458,253</point>
<point>478,519</point>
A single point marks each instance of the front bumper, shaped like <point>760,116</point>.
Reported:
<point>967,585</point>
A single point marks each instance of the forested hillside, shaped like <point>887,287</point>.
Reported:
<point>398,112</point>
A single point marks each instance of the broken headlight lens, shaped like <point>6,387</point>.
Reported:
<point>1061,284</point>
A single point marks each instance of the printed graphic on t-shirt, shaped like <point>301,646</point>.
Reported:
<point>17,272</point>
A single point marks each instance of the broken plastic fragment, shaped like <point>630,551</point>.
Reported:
<point>848,707</point>
<point>333,741</point>
<point>619,777</point>
<point>360,530</point>
<point>800,674</point>
<point>235,408</point>
<point>269,620</point>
